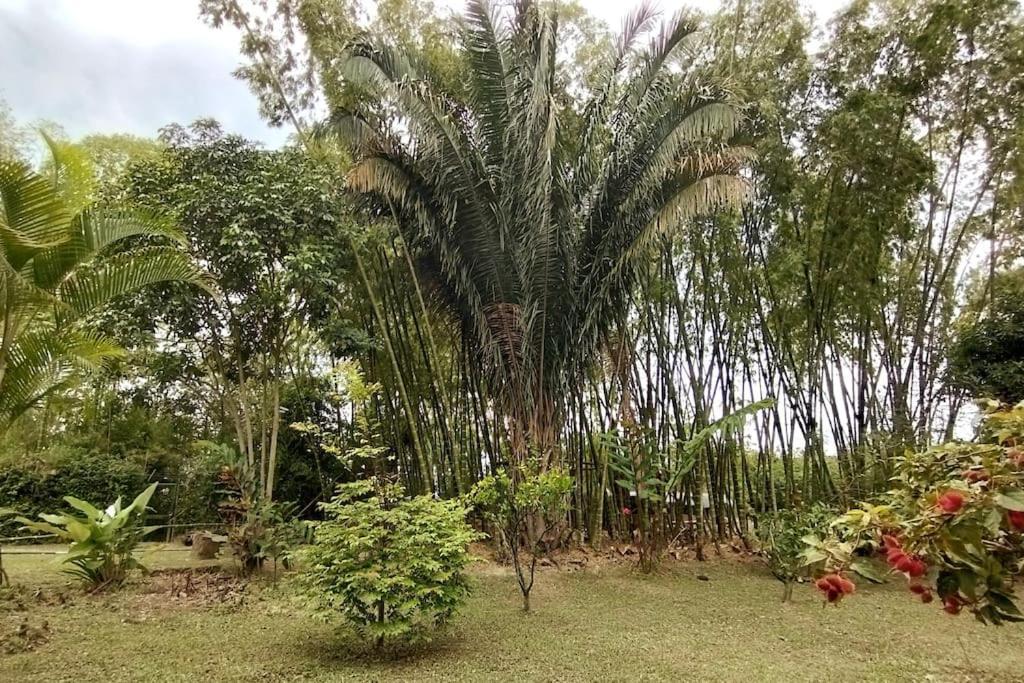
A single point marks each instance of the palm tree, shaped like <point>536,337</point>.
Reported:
<point>540,236</point>
<point>57,265</point>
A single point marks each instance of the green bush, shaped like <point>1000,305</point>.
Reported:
<point>389,566</point>
<point>782,535</point>
<point>952,524</point>
<point>39,484</point>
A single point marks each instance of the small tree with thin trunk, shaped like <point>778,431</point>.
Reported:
<point>524,507</point>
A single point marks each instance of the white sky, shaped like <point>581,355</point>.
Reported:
<point>136,65</point>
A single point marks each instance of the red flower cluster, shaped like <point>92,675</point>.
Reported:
<point>627,511</point>
<point>911,565</point>
<point>835,586</point>
<point>950,502</point>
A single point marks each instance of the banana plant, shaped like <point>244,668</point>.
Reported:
<point>60,260</point>
<point>645,470</point>
<point>652,476</point>
<point>102,542</point>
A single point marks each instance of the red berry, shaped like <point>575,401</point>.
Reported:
<point>950,502</point>
<point>1016,519</point>
<point>917,568</point>
<point>926,597</point>
<point>975,476</point>
<point>834,586</point>
<point>918,589</point>
<point>952,605</point>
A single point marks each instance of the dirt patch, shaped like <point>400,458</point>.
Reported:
<point>194,587</point>
<point>611,555</point>
<point>24,637</point>
<point>20,598</point>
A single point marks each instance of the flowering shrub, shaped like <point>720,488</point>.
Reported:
<point>953,525</point>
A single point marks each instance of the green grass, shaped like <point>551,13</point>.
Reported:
<point>599,624</point>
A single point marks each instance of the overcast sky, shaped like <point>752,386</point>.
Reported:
<point>135,65</point>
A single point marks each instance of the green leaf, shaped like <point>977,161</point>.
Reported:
<point>142,500</point>
<point>813,556</point>
<point>1012,499</point>
<point>867,570</point>
<point>82,506</point>
<point>78,531</point>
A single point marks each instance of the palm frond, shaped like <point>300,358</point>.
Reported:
<point>45,360</point>
<point>90,287</point>
<point>32,216</point>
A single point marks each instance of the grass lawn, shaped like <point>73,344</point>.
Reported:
<point>605,623</point>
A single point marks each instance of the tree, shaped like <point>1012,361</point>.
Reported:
<point>987,358</point>
<point>523,506</point>
<point>270,227</point>
<point>15,138</point>
<point>111,154</point>
<point>539,239</point>
<point>58,265</point>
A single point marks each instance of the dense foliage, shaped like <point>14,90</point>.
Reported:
<point>988,356</point>
<point>884,164</point>
<point>531,260</point>
<point>56,269</point>
<point>953,524</point>
<point>389,566</point>
<point>34,486</point>
<point>782,537</point>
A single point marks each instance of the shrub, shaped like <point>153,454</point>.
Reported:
<point>258,529</point>
<point>39,485</point>
<point>524,507</point>
<point>102,541</point>
<point>782,536</point>
<point>391,567</point>
<point>953,524</point>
